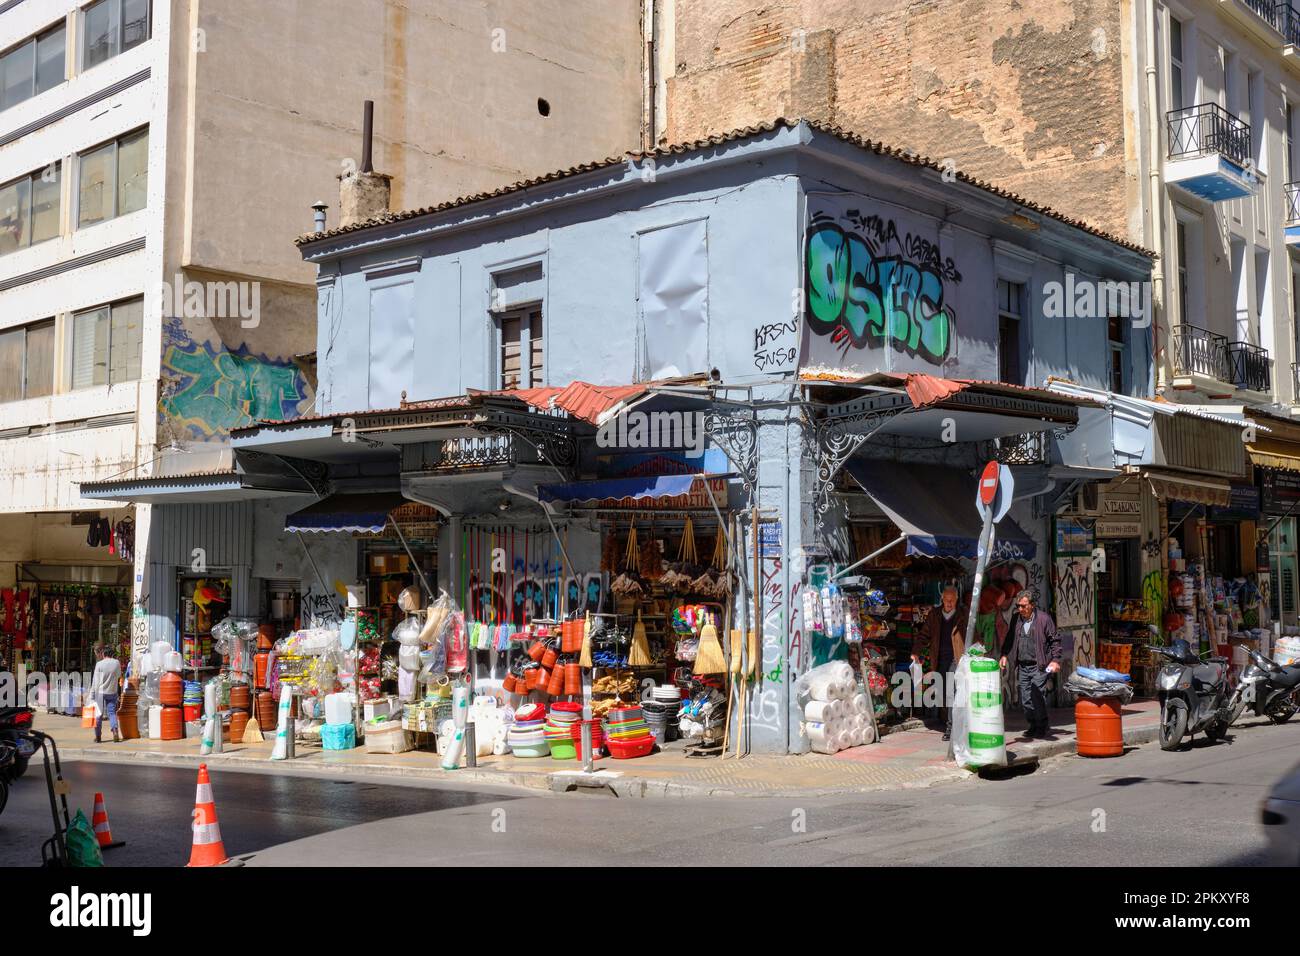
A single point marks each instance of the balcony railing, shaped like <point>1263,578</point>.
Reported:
<point>1205,129</point>
<point>1282,17</point>
<point>1199,351</point>
<point>1250,367</point>
<point>1295,383</point>
<point>1292,192</point>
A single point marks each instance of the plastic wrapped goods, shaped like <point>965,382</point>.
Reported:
<point>978,731</point>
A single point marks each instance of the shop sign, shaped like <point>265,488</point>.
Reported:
<point>1072,537</point>
<point>1119,528</point>
<point>1243,504</point>
<point>769,539</point>
<point>1281,492</point>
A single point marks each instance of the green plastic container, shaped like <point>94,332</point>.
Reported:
<point>564,750</point>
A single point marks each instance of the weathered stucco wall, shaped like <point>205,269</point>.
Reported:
<point>996,85</point>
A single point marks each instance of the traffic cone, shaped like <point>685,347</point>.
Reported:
<point>208,850</point>
<point>99,823</point>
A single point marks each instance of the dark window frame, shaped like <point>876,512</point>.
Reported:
<point>26,329</point>
<point>1011,316</point>
<point>83,45</point>
<point>34,41</point>
<point>532,374</point>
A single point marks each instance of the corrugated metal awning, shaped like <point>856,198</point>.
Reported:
<point>1197,491</point>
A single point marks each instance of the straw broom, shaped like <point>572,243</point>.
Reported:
<point>710,659</point>
<point>584,659</point>
<point>639,655</point>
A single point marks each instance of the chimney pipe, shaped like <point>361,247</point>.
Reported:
<point>367,136</point>
<point>319,218</point>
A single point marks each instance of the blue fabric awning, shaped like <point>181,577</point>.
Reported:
<point>935,507</point>
<point>637,489</point>
<point>346,512</point>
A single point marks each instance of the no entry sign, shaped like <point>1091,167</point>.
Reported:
<point>989,483</point>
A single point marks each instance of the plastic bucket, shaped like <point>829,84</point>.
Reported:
<point>1099,727</point>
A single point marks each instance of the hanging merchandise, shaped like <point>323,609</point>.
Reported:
<point>629,582</point>
<point>833,610</point>
<point>813,614</point>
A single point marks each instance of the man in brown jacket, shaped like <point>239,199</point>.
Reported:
<point>941,641</point>
<point>1032,643</point>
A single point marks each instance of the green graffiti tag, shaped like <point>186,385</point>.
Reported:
<point>212,390</point>
<point>1153,598</point>
<point>860,297</point>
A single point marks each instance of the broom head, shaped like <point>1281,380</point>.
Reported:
<point>737,650</point>
<point>639,655</point>
<point>710,659</point>
<point>584,659</point>
<point>751,662</point>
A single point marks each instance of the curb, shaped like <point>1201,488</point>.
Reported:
<point>611,782</point>
<point>557,782</point>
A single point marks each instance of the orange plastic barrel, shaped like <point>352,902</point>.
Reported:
<point>240,698</point>
<point>238,723</point>
<point>172,690</point>
<point>1099,727</point>
<point>173,723</point>
<point>260,663</point>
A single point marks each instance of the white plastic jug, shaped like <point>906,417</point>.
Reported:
<point>338,708</point>
<point>172,662</point>
<point>155,722</point>
<point>158,652</point>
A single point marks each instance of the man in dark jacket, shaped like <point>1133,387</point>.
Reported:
<point>940,641</point>
<point>1032,643</point>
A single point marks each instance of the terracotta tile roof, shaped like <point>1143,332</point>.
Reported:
<point>678,149</point>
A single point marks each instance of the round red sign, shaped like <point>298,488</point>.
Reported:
<point>989,483</point>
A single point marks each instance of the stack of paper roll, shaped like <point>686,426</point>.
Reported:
<point>837,717</point>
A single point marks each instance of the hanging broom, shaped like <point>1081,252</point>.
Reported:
<point>639,655</point>
<point>710,659</point>
<point>584,659</point>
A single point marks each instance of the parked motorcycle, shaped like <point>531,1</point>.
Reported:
<point>1194,695</point>
<point>6,762</point>
<point>15,731</point>
<point>1272,691</point>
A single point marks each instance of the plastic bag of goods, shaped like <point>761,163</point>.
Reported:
<point>407,632</point>
<point>1287,651</point>
<point>408,657</point>
<point>158,652</point>
<point>978,731</point>
<point>832,681</point>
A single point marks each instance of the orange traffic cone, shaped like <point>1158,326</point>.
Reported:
<point>208,850</point>
<point>99,821</point>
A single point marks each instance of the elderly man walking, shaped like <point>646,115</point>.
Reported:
<point>941,639</point>
<point>1031,641</point>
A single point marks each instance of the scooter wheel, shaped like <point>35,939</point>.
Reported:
<point>1173,724</point>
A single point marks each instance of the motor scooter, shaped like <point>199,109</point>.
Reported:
<point>1268,688</point>
<point>1194,695</point>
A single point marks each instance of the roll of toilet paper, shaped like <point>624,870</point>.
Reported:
<point>868,735</point>
<point>844,740</point>
<point>860,704</point>
<point>820,732</point>
<point>825,747</point>
<point>820,687</point>
<point>821,710</point>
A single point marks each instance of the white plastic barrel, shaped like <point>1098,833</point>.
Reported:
<point>338,709</point>
<point>155,722</point>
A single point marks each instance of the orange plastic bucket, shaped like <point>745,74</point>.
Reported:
<point>173,725</point>
<point>1099,728</point>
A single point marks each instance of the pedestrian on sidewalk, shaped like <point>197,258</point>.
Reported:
<point>104,687</point>
<point>1033,644</point>
<point>941,640</point>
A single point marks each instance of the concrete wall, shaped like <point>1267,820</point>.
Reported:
<point>590,294</point>
<point>996,85</point>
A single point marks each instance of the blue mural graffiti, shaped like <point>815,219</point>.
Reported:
<point>860,294</point>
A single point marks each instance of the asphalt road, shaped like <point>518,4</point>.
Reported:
<point>1197,807</point>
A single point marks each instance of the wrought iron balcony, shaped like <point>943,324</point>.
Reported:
<point>1205,129</point>
<point>1250,367</point>
<point>1199,351</point>
<point>1282,17</point>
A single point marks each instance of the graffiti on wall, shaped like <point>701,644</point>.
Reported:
<point>528,594</point>
<point>1074,591</point>
<point>208,390</point>
<point>867,284</point>
<point>1153,597</point>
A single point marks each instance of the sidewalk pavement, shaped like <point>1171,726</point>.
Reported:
<point>902,759</point>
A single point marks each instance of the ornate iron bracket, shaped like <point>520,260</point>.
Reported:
<point>555,446</point>
<point>835,441</point>
<point>736,433</point>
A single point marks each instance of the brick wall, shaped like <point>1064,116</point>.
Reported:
<point>1027,94</point>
